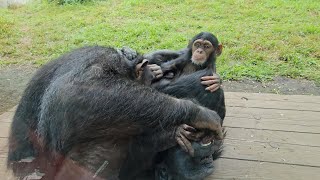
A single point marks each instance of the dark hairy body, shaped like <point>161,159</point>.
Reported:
<point>177,165</point>
<point>188,72</point>
<point>81,112</point>
<point>183,70</point>
<point>182,73</point>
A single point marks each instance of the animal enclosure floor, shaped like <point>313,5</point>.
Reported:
<point>268,137</point>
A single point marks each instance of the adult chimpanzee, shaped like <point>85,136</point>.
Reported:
<point>182,79</point>
<point>87,106</point>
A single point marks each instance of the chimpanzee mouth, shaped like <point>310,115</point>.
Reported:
<point>205,144</point>
<point>198,61</point>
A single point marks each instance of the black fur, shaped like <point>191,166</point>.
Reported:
<point>186,84</point>
<point>87,105</point>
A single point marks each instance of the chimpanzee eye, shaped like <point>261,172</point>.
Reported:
<point>207,46</point>
<point>197,45</point>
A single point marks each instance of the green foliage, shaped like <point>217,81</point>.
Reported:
<point>261,39</point>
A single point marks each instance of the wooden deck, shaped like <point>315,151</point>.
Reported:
<point>268,137</point>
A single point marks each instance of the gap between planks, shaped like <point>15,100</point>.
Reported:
<point>273,97</point>
<point>241,169</point>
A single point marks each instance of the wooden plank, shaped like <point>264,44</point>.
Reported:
<point>258,113</point>
<point>266,136</point>
<point>4,129</point>
<point>273,97</point>
<point>272,152</point>
<point>303,106</point>
<point>5,123</point>
<point>303,120</point>
<point>3,147</point>
<point>5,174</point>
<point>270,124</point>
<point>7,116</point>
<point>239,169</point>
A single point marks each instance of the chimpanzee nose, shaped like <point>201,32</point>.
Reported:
<point>199,51</point>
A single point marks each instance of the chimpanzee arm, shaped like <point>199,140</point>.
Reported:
<point>129,53</point>
<point>175,64</point>
<point>190,87</point>
<point>111,103</point>
<point>170,61</point>
<point>161,56</point>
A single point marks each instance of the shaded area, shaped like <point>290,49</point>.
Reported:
<point>279,85</point>
<point>13,80</point>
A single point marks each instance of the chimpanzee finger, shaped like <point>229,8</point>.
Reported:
<point>195,136</point>
<point>213,90</point>
<point>189,132</point>
<point>159,76</point>
<point>189,135</point>
<point>181,144</point>
<point>206,78</point>
<point>188,145</point>
<point>213,77</point>
<point>154,67</point>
<point>158,72</point>
<point>188,128</point>
<point>213,87</point>
<point>210,82</point>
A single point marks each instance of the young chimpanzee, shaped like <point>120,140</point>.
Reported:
<point>201,53</point>
<point>81,111</point>
<point>188,68</point>
<point>197,62</point>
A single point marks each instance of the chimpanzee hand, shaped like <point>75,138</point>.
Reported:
<point>163,71</point>
<point>168,67</point>
<point>184,133</point>
<point>213,82</point>
<point>210,120</point>
<point>129,53</point>
<point>156,70</point>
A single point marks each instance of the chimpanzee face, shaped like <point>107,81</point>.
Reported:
<point>201,50</point>
<point>179,165</point>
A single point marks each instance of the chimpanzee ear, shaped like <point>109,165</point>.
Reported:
<point>144,63</point>
<point>219,50</point>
